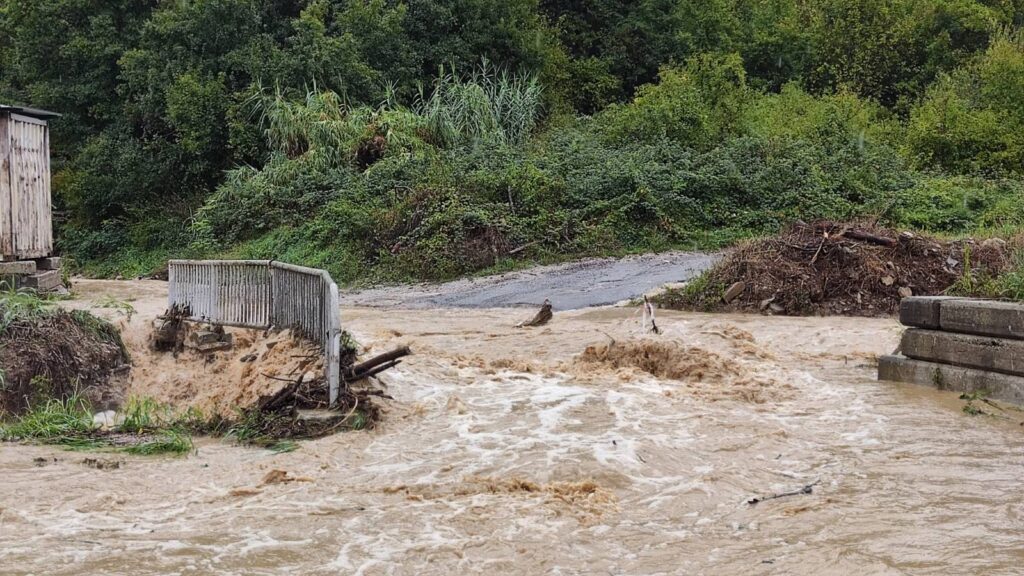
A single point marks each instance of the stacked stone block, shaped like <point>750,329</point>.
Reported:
<point>960,344</point>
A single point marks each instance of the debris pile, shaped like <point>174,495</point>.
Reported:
<point>57,354</point>
<point>856,269</point>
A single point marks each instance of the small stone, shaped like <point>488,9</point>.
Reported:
<point>905,292</point>
<point>776,308</point>
<point>888,280</point>
<point>105,420</point>
<point>733,292</point>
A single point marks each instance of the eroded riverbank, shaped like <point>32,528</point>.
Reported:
<point>502,453</point>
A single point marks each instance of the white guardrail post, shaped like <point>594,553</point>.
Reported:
<point>262,294</point>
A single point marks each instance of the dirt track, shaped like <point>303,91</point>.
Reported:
<point>593,282</point>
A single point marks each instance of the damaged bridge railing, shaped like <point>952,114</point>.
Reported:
<point>262,294</point>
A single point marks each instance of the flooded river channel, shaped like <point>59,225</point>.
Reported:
<point>510,451</point>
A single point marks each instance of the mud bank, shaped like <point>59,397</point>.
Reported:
<point>503,452</point>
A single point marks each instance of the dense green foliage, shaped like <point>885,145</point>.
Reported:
<point>387,140</point>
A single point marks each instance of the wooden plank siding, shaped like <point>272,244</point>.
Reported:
<point>26,227</point>
<point>6,236</point>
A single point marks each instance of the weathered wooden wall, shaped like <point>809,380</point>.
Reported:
<point>26,226</point>
<point>6,238</point>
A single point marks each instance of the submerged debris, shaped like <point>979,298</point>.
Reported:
<point>808,489</point>
<point>542,317</point>
<point>662,359</point>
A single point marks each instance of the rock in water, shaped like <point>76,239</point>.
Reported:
<point>104,420</point>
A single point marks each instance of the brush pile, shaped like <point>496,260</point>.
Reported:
<point>855,269</point>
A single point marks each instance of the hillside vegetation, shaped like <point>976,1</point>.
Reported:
<point>388,140</point>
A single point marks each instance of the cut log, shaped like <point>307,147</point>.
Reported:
<point>869,238</point>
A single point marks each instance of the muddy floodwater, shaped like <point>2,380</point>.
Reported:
<point>515,451</point>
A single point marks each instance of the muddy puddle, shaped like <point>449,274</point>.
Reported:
<point>518,452</point>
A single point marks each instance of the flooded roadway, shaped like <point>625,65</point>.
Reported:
<point>502,453</point>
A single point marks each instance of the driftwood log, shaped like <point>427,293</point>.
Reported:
<point>375,365</point>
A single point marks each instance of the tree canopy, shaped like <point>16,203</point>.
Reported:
<point>429,138</point>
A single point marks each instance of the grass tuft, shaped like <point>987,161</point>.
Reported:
<point>168,442</point>
<point>21,306</point>
<point>69,423</point>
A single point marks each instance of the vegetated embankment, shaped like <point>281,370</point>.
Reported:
<point>47,352</point>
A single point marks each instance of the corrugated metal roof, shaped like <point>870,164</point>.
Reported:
<point>31,112</point>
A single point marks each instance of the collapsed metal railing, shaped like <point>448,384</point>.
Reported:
<point>262,294</point>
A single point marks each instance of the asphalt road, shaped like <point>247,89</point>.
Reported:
<point>593,282</point>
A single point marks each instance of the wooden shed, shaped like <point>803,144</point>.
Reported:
<point>26,220</point>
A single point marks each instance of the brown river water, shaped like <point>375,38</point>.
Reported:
<point>505,452</point>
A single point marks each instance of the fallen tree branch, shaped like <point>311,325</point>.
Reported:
<point>364,368</point>
<point>869,238</point>
<point>523,247</point>
<point>376,370</point>
<point>282,395</point>
<point>805,490</point>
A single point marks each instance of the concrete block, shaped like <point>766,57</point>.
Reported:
<point>213,346</point>
<point>957,379</point>
<point>17,268</point>
<point>967,350</point>
<point>51,263</point>
<point>985,317</point>
<point>922,311</point>
<point>41,281</point>
<point>204,337</point>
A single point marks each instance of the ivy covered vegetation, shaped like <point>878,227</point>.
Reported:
<point>388,140</point>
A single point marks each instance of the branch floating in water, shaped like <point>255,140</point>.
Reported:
<point>805,490</point>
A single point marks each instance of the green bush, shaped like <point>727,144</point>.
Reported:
<point>972,121</point>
